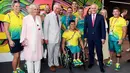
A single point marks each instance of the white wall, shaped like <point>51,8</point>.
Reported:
<point>8,57</point>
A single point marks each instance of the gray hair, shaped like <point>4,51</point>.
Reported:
<point>56,5</point>
<point>31,7</point>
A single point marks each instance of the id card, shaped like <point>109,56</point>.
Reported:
<point>68,44</point>
<point>68,27</point>
<point>111,33</point>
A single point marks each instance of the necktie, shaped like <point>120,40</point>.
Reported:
<point>93,20</point>
<point>57,19</point>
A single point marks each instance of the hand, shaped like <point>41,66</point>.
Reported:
<point>120,42</point>
<point>11,43</point>
<point>42,41</point>
<point>24,43</point>
<point>83,49</point>
<point>85,44</point>
<point>46,41</point>
<point>103,41</point>
<point>64,52</point>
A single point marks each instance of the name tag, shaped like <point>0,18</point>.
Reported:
<point>111,33</point>
<point>68,27</point>
<point>68,44</point>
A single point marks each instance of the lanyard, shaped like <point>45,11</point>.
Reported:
<point>113,24</point>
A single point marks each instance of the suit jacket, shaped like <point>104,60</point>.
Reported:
<point>98,31</point>
<point>51,28</point>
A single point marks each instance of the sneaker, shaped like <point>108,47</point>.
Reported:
<point>109,63</point>
<point>14,72</point>
<point>117,67</point>
<point>19,70</point>
<point>79,62</point>
<point>75,62</point>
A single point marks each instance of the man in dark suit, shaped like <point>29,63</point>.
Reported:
<point>95,35</point>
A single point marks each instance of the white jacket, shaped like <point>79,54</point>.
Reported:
<point>52,31</point>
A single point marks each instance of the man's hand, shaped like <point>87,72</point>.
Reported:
<point>42,41</point>
<point>64,52</point>
<point>46,41</point>
<point>103,41</point>
<point>120,42</point>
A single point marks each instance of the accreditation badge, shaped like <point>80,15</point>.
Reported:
<point>68,43</point>
<point>68,27</point>
<point>111,33</point>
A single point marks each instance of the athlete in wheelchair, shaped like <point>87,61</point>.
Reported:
<point>73,54</point>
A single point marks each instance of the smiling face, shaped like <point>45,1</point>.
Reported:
<point>94,8</point>
<point>72,25</point>
<point>80,11</point>
<point>69,11</point>
<point>47,9</point>
<point>34,11</point>
<point>16,7</point>
<point>57,8</point>
<point>74,4</point>
<point>116,13</point>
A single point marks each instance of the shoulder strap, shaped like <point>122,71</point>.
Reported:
<point>71,36</point>
<point>8,15</point>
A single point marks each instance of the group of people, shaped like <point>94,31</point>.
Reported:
<point>76,29</point>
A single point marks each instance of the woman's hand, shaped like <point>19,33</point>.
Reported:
<point>11,43</point>
<point>120,42</point>
<point>24,43</point>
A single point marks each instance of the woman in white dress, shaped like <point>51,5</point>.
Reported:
<point>105,49</point>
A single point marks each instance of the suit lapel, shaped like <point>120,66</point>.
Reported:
<point>54,16</point>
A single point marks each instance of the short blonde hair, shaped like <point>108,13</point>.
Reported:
<point>105,12</point>
<point>31,7</point>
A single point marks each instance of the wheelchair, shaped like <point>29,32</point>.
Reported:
<point>67,60</point>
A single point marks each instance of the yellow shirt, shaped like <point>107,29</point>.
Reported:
<point>116,26</point>
<point>15,24</point>
<point>68,34</point>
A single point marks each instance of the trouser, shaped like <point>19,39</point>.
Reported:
<point>98,45</point>
<point>53,54</point>
<point>33,66</point>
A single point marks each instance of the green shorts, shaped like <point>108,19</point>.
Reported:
<point>74,49</point>
<point>114,46</point>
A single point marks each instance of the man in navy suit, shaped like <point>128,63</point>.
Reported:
<point>95,35</point>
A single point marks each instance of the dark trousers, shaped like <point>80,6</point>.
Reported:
<point>92,43</point>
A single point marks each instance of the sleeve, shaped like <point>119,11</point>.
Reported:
<point>7,18</point>
<point>103,28</point>
<point>79,35</point>
<point>24,31</point>
<point>85,27</point>
<point>46,27</point>
<point>64,35</point>
<point>124,23</point>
